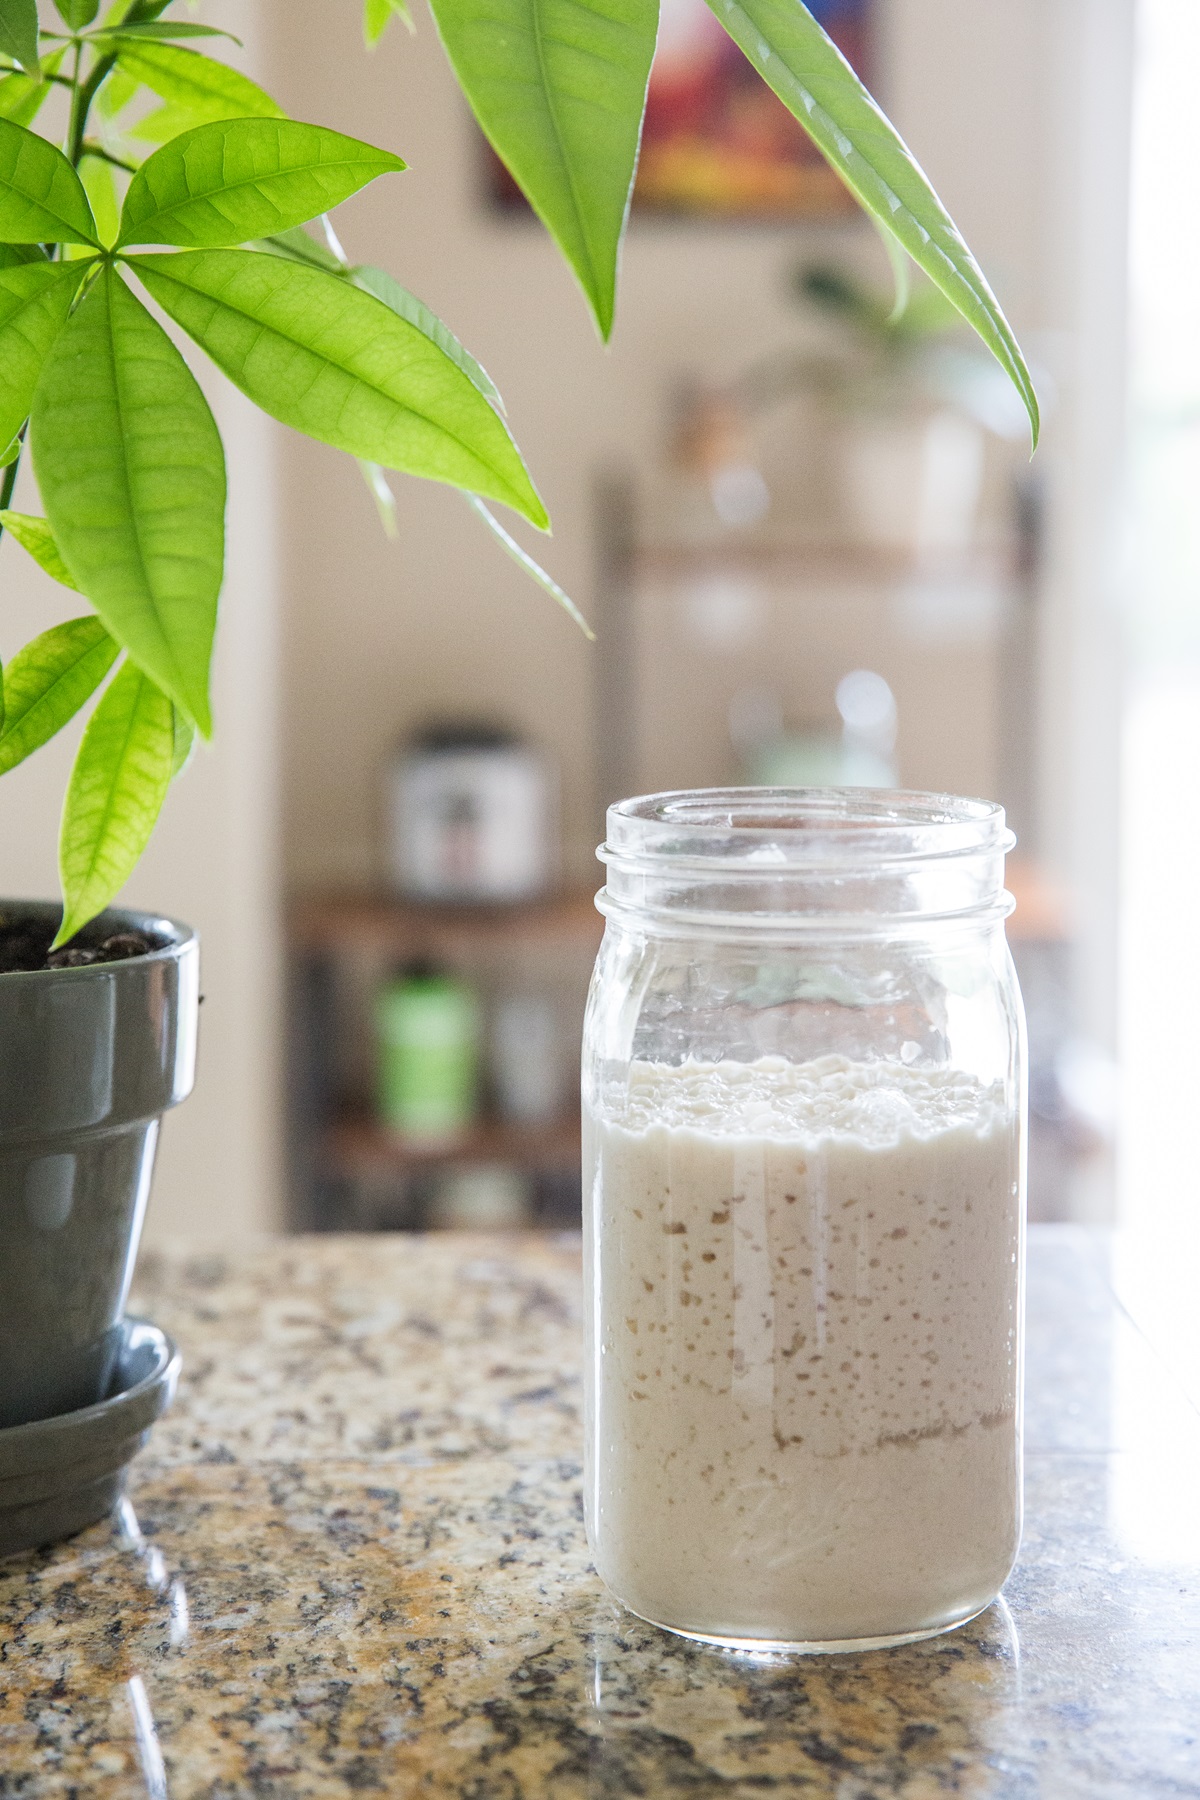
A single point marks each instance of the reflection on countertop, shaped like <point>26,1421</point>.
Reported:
<point>352,1561</point>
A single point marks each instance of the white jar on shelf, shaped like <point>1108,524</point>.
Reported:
<point>472,817</point>
<point>912,482</point>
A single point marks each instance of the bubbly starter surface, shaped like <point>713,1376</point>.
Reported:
<point>804,1386</point>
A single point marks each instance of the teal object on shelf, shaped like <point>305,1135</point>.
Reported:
<point>428,1028</point>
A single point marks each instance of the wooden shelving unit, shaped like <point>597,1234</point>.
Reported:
<point>340,1151</point>
<point>825,559</point>
<point>341,923</point>
<point>355,1143</point>
<point>957,623</point>
<point>343,1158</point>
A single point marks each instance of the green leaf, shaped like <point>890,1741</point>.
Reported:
<point>184,741</point>
<point>559,87</point>
<point>901,273</point>
<point>117,787</point>
<point>319,354</point>
<point>19,32</point>
<point>12,452</point>
<point>23,96</point>
<point>534,569</point>
<point>160,31</point>
<point>132,475</point>
<point>48,681</point>
<point>816,83</point>
<point>35,298</point>
<point>197,89</point>
<point>77,15</point>
<point>100,185</point>
<point>378,15</point>
<point>117,91</point>
<point>35,536</point>
<point>298,245</point>
<point>407,306</point>
<point>15,256</point>
<point>41,197</point>
<point>245,178</point>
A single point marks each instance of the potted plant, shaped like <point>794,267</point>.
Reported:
<point>211,207</point>
<point>914,407</point>
<point>904,404</point>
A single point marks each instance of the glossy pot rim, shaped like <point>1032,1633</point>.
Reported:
<point>180,938</point>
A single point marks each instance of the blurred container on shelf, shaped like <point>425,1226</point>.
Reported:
<point>862,755</point>
<point>881,428</point>
<point>912,481</point>
<point>428,1027</point>
<point>486,1198</point>
<point>915,404</point>
<point>715,483</point>
<point>351,1170</point>
<point>472,816</point>
<point>531,1068</point>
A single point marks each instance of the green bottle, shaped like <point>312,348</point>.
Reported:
<point>428,1028</point>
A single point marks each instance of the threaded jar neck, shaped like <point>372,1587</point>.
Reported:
<point>803,861</point>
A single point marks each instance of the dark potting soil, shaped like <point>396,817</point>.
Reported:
<point>25,946</point>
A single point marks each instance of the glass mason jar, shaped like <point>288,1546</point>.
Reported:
<point>804,1183</point>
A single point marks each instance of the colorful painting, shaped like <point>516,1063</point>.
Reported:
<point>717,143</point>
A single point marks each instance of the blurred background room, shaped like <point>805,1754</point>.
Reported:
<point>803,522</point>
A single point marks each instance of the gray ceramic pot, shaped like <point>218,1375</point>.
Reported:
<point>90,1059</point>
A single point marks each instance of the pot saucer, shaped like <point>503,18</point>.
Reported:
<point>59,1474</point>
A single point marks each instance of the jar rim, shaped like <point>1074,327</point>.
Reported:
<point>757,831</point>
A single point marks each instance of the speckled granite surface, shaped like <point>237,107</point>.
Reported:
<point>353,1563</point>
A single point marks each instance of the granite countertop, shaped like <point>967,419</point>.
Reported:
<point>352,1562</point>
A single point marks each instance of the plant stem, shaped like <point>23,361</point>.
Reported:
<point>10,481</point>
<point>11,68</point>
<point>92,148</point>
<point>74,124</point>
<point>81,105</point>
<point>82,95</point>
<point>81,101</point>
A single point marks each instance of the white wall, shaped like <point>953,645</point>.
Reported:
<point>1022,117</point>
<point>378,635</point>
<point>1089,58</point>
<point>374,635</point>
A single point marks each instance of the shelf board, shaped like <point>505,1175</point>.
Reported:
<point>357,1144</point>
<point>822,559</point>
<point>403,929</point>
<point>379,923</point>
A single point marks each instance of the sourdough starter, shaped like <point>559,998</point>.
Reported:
<point>804,1407</point>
